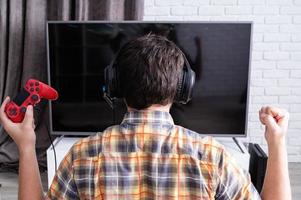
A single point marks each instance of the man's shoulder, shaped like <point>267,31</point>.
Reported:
<point>205,145</point>
<point>92,145</point>
<point>191,141</point>
<point>202,139</point>
<point>99,135</point>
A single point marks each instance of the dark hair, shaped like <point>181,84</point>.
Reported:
<point>149,70</point>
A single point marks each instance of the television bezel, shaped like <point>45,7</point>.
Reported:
<point>81,133</point>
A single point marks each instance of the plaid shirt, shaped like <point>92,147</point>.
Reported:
<point>148,157</point>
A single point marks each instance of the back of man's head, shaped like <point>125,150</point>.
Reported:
<point>149,70</point>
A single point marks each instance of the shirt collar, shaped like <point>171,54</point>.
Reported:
<point>149,117</point>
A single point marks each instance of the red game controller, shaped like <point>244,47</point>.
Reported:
<point>31,94</point>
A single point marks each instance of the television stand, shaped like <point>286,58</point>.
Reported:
<point>64,143</point>
<point>237,149</point>
<point>239,145</point>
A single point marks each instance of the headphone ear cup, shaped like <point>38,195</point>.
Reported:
<point>178,95</point>
<point>107,80</point>
<point>116,85</point>
<point>111,81</point>
<point>188,85</point>
<point>185,86</point>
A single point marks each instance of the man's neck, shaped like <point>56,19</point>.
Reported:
<point>154,107</point>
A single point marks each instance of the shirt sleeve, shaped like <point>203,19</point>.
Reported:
<point>63,185</point>
<point>234,182</point>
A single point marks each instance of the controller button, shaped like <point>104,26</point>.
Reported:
<point>36,83</point>
<point>38,89</point>
<point>31,89</point>
<point>23,109</point>
<point>31,84</point>
<point>34,97</point>
<point>13,111</point>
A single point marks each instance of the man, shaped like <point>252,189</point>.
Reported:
<point>147,156</point>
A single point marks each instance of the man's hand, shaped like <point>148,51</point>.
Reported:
<point>276,182</point>
<point>22,133</point>
<point>30,186</point>
<point>276,123</point>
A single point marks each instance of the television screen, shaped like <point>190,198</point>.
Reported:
<point>219,53</point>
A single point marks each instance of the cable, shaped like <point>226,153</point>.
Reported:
<point>54,152</point>
<point>114,113</point>
<point>38,111</point>
<point>111,102</point>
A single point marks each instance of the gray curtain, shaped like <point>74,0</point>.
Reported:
<point>23,51</point>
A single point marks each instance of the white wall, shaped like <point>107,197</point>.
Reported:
<point>276,54</point>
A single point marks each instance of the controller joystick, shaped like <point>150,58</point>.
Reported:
<point>31,94</point>
<point>35,97</point>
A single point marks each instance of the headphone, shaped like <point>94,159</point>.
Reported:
<point>112,90</point>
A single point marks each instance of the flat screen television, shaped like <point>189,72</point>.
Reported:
<point>219,53</point>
